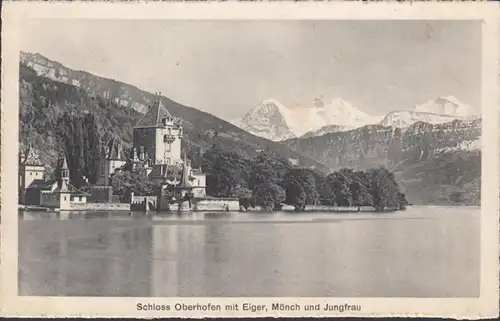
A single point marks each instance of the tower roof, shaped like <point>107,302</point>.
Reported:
<point>153,117</point>
<point>70,189</point>
<point>64,164</point>
<point>115,150</point>
<point>32,158</point>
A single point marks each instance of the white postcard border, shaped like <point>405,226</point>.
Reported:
<point>484,306</point>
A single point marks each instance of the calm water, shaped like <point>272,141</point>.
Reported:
<point>423,252</point>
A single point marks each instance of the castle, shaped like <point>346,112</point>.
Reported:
<point>156,149</point>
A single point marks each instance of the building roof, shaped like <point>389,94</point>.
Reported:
<point>41,184</point>
<point>153,117</point>
<point>64,164</point>
<point>31,158</point>
<point>70,189</point>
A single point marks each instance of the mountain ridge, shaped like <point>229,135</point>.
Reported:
<point>339,115</point>
<point>200,127</point>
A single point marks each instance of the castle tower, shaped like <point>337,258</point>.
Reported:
<point>30,169</point>
<point>159,135</point>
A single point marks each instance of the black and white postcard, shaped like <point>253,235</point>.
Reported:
<point>259,159</point>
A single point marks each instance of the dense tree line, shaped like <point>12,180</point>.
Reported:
<point>80,140</point>
<point>270,181</point>
<point>126,182</point>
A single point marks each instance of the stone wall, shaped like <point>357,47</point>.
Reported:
<point>49,199</point>
<point>99,207</point>
<point>138,203</point>
<point>216,204</point>
<point>100,194</point>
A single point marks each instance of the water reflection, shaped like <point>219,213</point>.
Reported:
<point>417,253</point>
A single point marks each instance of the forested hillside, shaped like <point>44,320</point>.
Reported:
<point>43,102</point>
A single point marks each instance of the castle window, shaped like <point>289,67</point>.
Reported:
<point>64,197</point>
<point>198,182</point>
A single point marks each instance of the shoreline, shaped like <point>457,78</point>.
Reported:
<point>286,209</point>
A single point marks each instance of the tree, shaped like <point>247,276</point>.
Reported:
<point>337,184</point>
<point>80,139</point>
<point>384,190</point>
<point>295,195</point>
<point>403,203</point>
<point>267,167</point>
<point>300,187</point>
<point>360,189</point>
<point>241,191</point>
<point>225,171</point>
<point>269,195</point>
<point>125,182</point>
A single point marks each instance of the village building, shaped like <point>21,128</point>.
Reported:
<point>63,195</point>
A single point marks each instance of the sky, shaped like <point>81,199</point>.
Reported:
<point>227,67</point>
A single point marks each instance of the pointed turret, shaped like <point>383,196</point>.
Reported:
<point>64,175</point>
<point>185,174</point>
<point>134,157</point>
<point>115,150</point>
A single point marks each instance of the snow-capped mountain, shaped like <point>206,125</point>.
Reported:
<point>275,121</point>
<point>341,113</point>
<point>449,106</point>
<point>406,118</point>
<point>326,130</point>
<point>438,111</point>
<point>270,119</point>
<point>336,115</point>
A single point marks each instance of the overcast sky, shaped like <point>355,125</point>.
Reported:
<point>227,67</point>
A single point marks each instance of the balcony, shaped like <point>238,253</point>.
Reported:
<point>168,138</point>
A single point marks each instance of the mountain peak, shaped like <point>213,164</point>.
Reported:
<point>269,119</point>
<point>448,106</point>
<point>271,101</point>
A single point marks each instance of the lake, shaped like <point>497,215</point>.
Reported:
<point>422,252</point>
